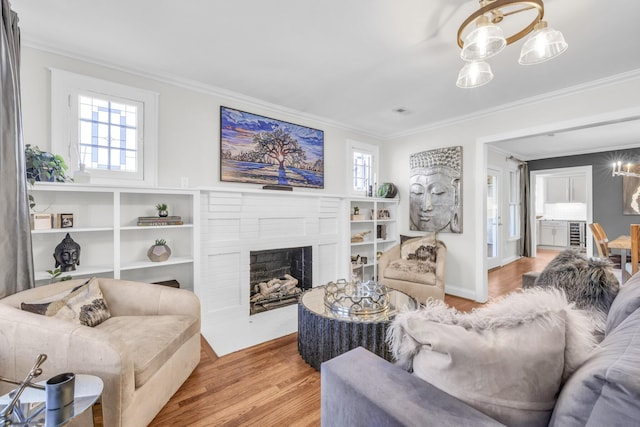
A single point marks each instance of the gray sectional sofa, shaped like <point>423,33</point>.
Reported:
<point>361,389</point>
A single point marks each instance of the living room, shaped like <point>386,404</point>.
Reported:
<point>188,153</point>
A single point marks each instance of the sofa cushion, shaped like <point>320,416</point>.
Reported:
<point>152,340</point>
<point>411,271</point>
<point>605,390</point>
<point>83,304</point>
<point>627,301</point>
<point>507,359</point>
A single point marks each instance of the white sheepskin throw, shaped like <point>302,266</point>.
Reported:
<point>507,359</point>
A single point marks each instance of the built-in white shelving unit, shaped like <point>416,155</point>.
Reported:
<point>379,218</point>
<point>112,244</point>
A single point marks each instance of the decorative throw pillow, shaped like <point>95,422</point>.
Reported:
<point>420,248</point>
<point>507,359</point>
<point>84,304</point>
<point>588,282</point>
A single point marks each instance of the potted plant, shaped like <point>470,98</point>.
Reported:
<point>355,216</point>
<point>162,210</point>
<point>159,251</point>
<point>44,166</point>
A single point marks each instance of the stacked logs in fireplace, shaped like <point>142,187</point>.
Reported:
<point>278,277</point>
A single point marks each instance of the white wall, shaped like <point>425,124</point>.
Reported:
<point>465,273</point>
<point>189,120</point>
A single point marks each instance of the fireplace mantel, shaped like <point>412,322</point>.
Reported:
<point>234,223</point>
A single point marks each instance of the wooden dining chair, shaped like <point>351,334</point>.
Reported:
<point>635,249</point>
<point>602,244</point>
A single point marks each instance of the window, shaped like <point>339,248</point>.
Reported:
<point>108,127</point>
<point>514,204</point>
<point>362,167</point>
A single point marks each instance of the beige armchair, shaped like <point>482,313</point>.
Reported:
<point>143,353</point>
<point>416,267</point>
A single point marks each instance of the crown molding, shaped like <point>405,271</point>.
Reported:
<point>607,81</point>
<point>258,103</point>
<point>200,87</point>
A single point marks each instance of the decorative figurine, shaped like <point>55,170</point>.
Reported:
<point>67,254</point>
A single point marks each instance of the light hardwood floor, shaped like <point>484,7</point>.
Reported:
<point>270,385</point>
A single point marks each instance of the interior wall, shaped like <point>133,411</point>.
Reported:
<point>607,189</point>
<point>465,273</point>
<point>189,122</point>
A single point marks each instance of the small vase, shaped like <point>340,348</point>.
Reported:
<point>159,253</point>
<point>81,176</point>
<point>163,214</point>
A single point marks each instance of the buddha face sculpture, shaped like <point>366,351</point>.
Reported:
<point>67,254</point>
<point>435,202</point>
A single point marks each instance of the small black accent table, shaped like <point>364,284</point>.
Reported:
<point>324,334</point>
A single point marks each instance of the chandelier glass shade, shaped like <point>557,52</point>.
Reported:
<point>544,44</point>
<point>484,42</point>
<point>487,38</point>
<point>474,74</point>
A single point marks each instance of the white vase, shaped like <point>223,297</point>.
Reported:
<point>81,176</point>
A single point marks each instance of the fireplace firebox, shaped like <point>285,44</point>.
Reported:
<point>277,277</point>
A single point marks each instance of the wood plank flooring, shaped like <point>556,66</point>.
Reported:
<point>270,385</point>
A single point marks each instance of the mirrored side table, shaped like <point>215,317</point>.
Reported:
<point>32,411</point>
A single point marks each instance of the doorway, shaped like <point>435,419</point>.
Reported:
<point>494,219</point>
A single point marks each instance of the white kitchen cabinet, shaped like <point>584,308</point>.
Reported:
<point>554,233</point>
<point>112,244</point>
<point>565,189</point>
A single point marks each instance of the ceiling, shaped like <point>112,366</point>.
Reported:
<point>349,62</point>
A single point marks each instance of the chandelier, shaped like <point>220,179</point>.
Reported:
<point>487,38</point>
<point>618,171</point>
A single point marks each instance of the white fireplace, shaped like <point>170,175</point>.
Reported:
<point>236,223</point>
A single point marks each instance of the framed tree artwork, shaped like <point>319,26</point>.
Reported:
<point>261,150</point>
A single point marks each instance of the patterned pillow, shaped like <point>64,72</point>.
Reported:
<point>84,305</point>
<point>419,248</point>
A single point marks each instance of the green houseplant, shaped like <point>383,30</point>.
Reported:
<point>162,209</point>
<point>43,166</point>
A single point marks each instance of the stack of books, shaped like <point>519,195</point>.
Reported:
<point>159,220</point>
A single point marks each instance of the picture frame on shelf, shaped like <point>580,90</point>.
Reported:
<point>383,213</point>
<point>255,149</point>
<point>64,220</point>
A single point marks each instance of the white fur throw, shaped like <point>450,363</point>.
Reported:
<point>507,359</point>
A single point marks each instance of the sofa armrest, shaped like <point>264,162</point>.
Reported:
<point>359,388</point>
<point>69,347</point>
<point>441,264</point>
<point>128,298</point>
<point>386,258</point>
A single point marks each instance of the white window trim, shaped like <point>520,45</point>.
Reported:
<point>517,202</point>
<point>64,85</point>
<point>362,147</point>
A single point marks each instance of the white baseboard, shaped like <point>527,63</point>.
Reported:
<point>460,292</point>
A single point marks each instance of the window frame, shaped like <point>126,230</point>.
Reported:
<point>66,87</point>
<point>361,147</point>
<point>514,203</point>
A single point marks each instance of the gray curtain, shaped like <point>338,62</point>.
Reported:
<point>525,220</point>
<point>16,259</point>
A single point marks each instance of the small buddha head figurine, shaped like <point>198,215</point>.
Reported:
<point>67,254</point>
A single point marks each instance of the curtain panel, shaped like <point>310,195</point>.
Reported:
<point>16,257</point>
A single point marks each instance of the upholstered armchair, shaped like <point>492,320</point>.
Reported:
<point>415,267</point>
<point>143,352</point>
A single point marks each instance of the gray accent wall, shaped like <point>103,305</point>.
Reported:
<point>607,190</point>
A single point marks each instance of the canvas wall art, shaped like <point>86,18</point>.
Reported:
<point>631,192</point>
<point>435,190</point>
<point>261,150</point>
